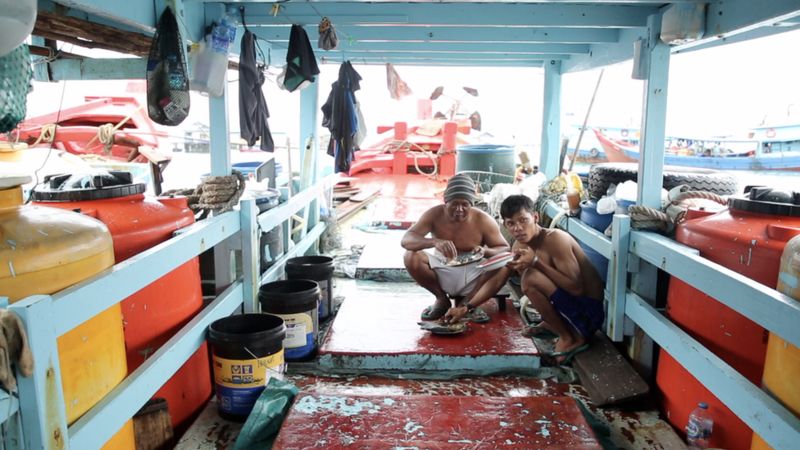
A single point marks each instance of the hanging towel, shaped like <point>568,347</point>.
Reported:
<point>301,64</point>
<point>253,112</point>
<point>167,79</point>
<point>341,118</point>
<point>397,87</point>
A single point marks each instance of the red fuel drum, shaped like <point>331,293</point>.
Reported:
<point>748,238</point>
<point>155,313</point>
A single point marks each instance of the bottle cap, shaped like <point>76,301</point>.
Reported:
<point>703,405</point>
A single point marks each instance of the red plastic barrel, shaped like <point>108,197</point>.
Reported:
<point>155,313</point>
<point>748,238</point>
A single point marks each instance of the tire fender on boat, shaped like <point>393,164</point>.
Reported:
<point>604,174</point>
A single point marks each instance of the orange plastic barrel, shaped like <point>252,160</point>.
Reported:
<point>748,238</point>
<point>158,311</point>
<point>782,367</point>
<point>43,251</point>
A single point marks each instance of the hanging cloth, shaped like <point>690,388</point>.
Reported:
<point>327,35</point>
<point>253,112</point>
<point>397,87</point>
<point>167,79</point>
<point>341,118</point>
<point>301,64</point>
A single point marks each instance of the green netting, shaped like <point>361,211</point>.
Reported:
<point>15,79</point>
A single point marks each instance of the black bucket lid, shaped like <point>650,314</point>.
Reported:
<point>766,200</point>
<point>86,186</point>
<point>289,296</point>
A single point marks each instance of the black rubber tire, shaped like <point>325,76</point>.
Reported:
<point>604,174</point>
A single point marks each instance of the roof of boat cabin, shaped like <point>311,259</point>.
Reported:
<point>582,35</point>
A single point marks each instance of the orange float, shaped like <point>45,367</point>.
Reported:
<point>748,238</point>
<point>155,313</point>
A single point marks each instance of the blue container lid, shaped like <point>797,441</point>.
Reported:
<point>485,148</point>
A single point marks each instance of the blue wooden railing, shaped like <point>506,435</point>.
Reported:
<point>46,317</point>
<point>765,306</point>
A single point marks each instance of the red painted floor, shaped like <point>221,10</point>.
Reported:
<point>493,386</point>
<point>403,198</point>
<point>434,422</point>
<point>383,321</point>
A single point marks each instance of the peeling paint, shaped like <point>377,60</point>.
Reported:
<point>338,405</point>
<point>412,427</point>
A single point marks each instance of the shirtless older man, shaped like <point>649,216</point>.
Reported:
<point>456,228</point>
<point>557,278</point>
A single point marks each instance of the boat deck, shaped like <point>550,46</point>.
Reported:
<point>378,381</point>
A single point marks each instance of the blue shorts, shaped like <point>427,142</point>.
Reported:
<point>584,313</point>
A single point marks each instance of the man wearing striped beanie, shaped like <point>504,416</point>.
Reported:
<point>446,245</point>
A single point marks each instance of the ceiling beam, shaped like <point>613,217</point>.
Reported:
<point>449,34</point>
<point>433,62</point>
<point>461,14</point>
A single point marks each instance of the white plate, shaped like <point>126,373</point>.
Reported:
<point>497,261</point>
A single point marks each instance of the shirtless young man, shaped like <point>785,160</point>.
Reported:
<point>557,278</point>
<point>456,228</point>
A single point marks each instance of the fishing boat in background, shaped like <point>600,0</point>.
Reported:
<point>113,128</point>
<point>591,150</point>
<point>763,150</point>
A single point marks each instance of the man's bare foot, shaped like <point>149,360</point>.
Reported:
<point>540,330</point>
<point>437,310</point>
<point>567,344</point>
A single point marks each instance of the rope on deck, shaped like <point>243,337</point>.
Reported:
<point>215,193</point>
<point>399,145</point>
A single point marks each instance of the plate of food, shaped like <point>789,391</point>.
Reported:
<point>443,328</point>
<point>464,259</point>
<point>497,261</point>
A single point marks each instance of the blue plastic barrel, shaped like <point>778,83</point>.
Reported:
<point>486,158</point>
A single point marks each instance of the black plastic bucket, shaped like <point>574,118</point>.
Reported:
<point>296,302</point>
<point>319,269</point>
<point>247,349</point>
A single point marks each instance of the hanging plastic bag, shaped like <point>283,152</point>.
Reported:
<point>167,80</point>
<point>327,35</point>
<point>15,80</point>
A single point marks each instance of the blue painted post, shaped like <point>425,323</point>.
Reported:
<point>651,150</point>
<point>618,276</point>
<point>41,399</point>
<point>651,170</point>
<point>251,253</point>
<point>551,120</point>
<point>309,105</point>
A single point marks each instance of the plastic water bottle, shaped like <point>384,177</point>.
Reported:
<point>698,430</point>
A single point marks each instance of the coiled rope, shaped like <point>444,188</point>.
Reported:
<point>215,193</point>
<point>398,145</point>
<point>646,218</point>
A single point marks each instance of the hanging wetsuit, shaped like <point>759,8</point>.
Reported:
<point>253,112</point>
<point>301,64</point>
<point>340,117</point>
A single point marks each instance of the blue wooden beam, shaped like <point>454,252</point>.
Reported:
<point>761,304</point>
<point>277,34</point>
<point>617,277</point>
<point>651,145</point>
<point>78,303</point>
<point>765,415</point>
<point>100,423</point>
<point>98,69</point>
<point>466,47</point>
<point>435,62</point>
<point>484,14</point>
<point>734,17</point>
<point>604,54</point>
<point>549,158</point>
